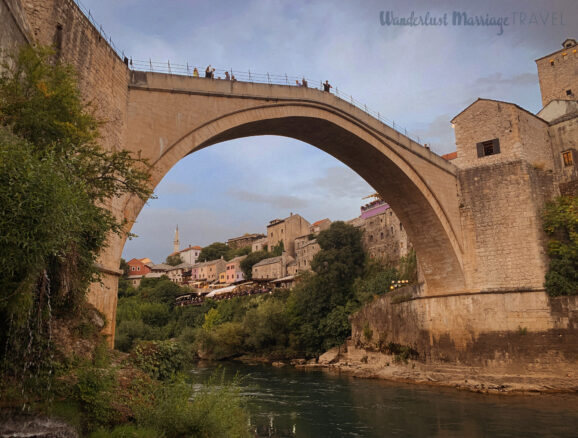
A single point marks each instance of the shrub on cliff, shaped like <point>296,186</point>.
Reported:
<point>561,224</point>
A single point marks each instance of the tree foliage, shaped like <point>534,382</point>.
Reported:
<point>55,182</point>
<point>561,224</point>
<point>174,260</point>
<point>214,251</point>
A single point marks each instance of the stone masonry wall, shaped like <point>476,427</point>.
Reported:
<point>13,30</point>
<point>536,146</point>
<point>523,331</point>
<point>561,76</point>
<point>501,206</point>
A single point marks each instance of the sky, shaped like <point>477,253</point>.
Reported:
<point>420,76</point>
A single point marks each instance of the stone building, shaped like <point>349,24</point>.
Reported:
<point>384,236</point>
<point>260,245</point>
<point>510,163</point>
<point>179,273</point>
<point>286,231</point>
<point>305,249</point>
<point>557,73</point>
<point>272,268</point>
<point>306,246</point>
<point>244,240</point>
<point>322,225</point>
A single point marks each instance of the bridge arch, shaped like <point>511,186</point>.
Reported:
<point>420,188</point>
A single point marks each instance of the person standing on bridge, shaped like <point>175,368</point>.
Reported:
<point>304,83</point>
<point>327,86</point>
<point>195,73</point>
<point>227,77</point>
<point>208,72</point>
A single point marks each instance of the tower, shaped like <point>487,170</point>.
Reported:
<point>176,243</point>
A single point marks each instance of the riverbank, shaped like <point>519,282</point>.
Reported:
<point>361,363</point>
<point>513,379</point>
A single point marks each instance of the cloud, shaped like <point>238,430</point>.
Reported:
<point>498,82</point>
<point>167,188</point>
<point>439,134</point>
<point>280,201</point>
<point>340,182</point>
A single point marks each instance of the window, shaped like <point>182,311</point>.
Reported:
<point>568,158</point>
<point>568,92</point>
<point>489,147</point>
<point>138,268</point>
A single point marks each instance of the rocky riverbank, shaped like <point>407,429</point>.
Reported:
<point>361,363</point>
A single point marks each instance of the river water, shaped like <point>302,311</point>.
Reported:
<point>286,402</point>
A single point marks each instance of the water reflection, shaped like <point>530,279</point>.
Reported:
<point>312,404</point>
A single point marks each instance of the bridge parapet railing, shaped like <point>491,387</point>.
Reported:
<point>266,78</point>
<point>243,76</point>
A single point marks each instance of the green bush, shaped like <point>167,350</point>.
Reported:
<point>127,431</point>
<point>267,326</point>
<point>215,410</point>
<point>561,224</point>
<point>220,342</point>
<point>94,391</point>
<point>159,359</point>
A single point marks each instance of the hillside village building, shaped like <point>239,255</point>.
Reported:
<point>306,246</point>
<point>244,240</point>
<point>208,271</point>
<point>272,268</point>
<point>233,271</point>
<point>384,237</point>
<point>190,254</point>
<point>286,231</point>
<point>260,245</point>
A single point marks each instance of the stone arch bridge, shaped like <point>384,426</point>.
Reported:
<point>171,116</point>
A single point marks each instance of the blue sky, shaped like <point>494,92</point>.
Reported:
<point>419,76</point>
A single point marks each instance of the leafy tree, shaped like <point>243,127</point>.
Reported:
<point>373,284</point>
<point>340,261</point>
<point>319,307</point>
<point>124,267</point>
<point>214,251</point>
<point>174,260</point>
<point>252,259</point>
<point>55,182</point>
<point>561,224</point>
<point>237,252</point>
<point>162,290</point>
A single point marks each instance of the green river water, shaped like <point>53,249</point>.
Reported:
<point>286,402</point>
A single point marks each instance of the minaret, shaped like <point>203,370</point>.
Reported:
<point>176,244</point>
